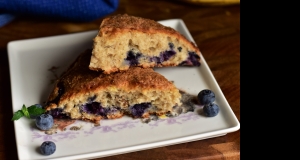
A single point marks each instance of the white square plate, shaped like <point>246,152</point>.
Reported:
<point>30,61</point>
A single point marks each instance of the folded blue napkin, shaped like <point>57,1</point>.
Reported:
<point>73,10</point>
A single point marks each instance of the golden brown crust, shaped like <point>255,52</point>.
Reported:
<point>78,85</point>
<point>122,33</point>
<point>80,79</point>
<point>124,23</point>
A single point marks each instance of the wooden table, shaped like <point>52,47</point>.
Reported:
<point>216,30</point>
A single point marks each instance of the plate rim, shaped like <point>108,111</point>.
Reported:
<point>97,154</point>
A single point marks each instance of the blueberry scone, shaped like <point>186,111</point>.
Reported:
<point>124,41</point>
<point>81,93</point>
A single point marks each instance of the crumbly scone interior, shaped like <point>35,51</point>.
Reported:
<point>80,86</point>
<point>116,38</point>
<point>116,48</point>
<point>163,101</point>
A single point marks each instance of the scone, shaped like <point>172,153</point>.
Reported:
<point>124,41</point>
<point>81,93</point>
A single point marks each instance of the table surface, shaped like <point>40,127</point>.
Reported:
<point>216,31</point>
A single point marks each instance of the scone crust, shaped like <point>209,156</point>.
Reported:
<point>122,23</point>
<point>80,79</point>
<point>79,83</point>
<point>113,29</point>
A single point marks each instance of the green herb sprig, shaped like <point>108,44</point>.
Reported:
<point>33,110</point>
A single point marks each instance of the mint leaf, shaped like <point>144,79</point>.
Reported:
<point>17,115</point>
<point>35,111</point>
<point>25,112</point>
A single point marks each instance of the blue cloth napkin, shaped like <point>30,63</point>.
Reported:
<point>73,10</point>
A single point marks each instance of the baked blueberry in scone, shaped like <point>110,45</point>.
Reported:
<point>81,93</point>
<point>127,41</point>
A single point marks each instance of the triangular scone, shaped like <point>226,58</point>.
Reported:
<point>125,41</point>
<point>81,93</point>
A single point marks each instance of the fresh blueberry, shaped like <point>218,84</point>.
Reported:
<point>35,116</point>
<point>48,148</point>
<point>206,96</point>
<point>211,109</point>
<point>39,105</point>
<point>44,121</point>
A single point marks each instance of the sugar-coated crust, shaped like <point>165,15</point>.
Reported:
<point>120,33</point>
<point>125,23</point>
<point>121,89</point>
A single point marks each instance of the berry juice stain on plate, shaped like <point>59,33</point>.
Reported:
<point>63,123</point>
